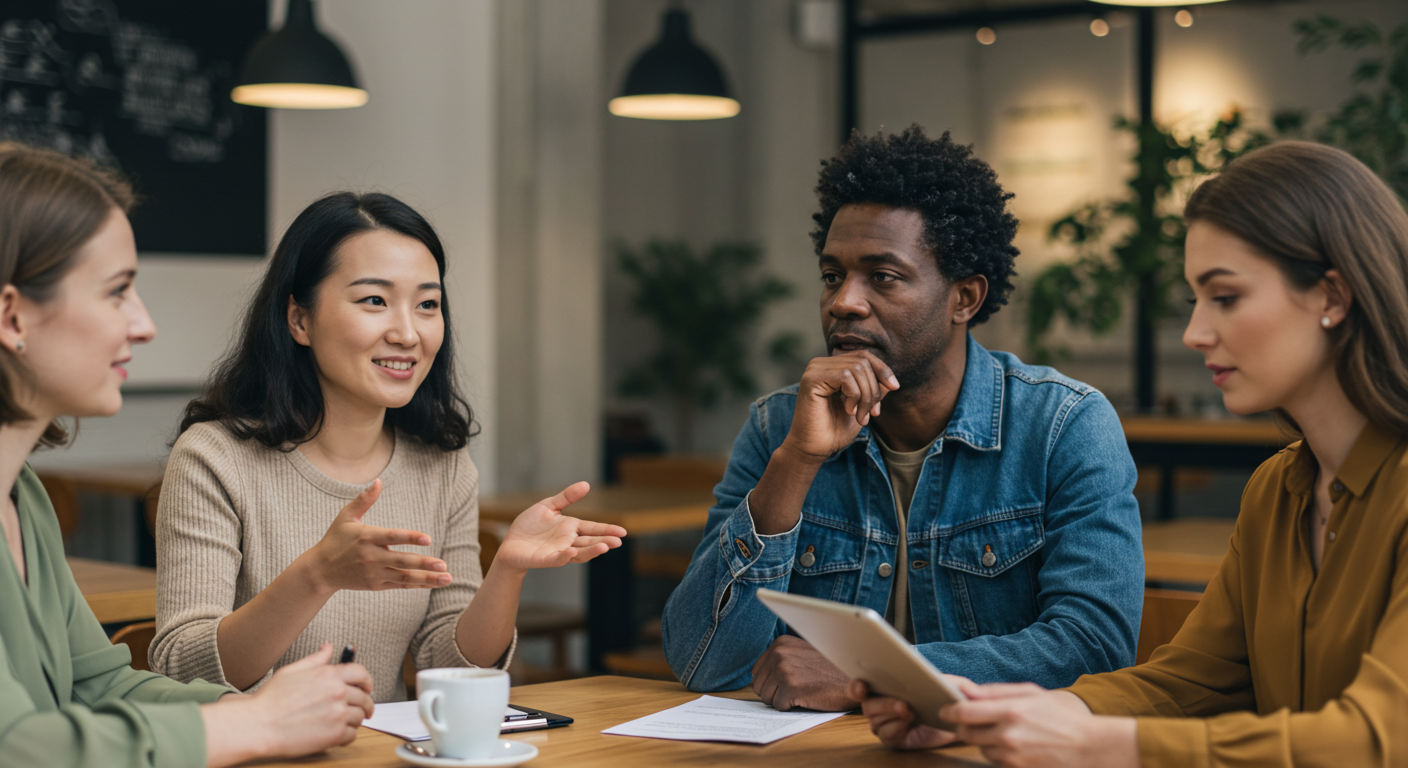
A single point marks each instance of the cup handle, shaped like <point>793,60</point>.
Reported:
<point>427,703</point>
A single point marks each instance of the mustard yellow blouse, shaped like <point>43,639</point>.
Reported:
<point>1279,666</point>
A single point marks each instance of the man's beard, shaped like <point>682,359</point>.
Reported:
<point>914,368</point>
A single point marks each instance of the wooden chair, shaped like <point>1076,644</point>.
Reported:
<point>1164,613</point>
<point>63,493</point>
<point>138,637</point>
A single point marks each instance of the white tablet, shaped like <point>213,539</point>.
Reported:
<point>863,645</point>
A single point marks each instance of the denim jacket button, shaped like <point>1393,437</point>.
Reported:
<point>807,559</point>
<point>989,559</point>
<point>884,570</point>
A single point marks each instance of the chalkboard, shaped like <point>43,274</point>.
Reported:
<point>144,85</point>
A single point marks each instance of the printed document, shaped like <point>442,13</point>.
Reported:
<point>710,718</point>
<point>402,718</point>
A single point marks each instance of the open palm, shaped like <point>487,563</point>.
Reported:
<point>542,537</point>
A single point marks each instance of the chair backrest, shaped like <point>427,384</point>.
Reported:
<point>491,535</point>
<point>677,472</point>
<point>63,494</point>
<point>138,637</point>
<point>150,500</point>
<point>1164,613</point>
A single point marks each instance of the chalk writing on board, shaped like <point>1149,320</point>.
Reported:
<point>143,86</point>
<point>159,83</point>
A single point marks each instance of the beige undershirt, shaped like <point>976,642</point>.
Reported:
<point>904,469</point>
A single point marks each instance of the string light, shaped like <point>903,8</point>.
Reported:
<point>986,36</point>
<point>1099,27</point>
<point>1184,18</point>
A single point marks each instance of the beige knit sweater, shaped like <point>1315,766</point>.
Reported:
<point>234,514</point>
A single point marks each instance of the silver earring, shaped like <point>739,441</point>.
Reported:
<point>19,346</point>
<point>1325,322</point>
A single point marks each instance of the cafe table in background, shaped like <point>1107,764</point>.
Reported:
<point>596,703</point>
<point>612,623</point>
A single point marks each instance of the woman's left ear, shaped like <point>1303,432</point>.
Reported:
<point>12,325</point>
<point>1338,298</point>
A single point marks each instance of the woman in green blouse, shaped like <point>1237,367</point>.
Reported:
<point>69,316</point>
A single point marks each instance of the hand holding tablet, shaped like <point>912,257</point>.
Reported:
<point>863,645</point>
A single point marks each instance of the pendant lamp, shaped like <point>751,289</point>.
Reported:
<point>298,67</point>
<point>1156,3</point>
<point>675,79</point>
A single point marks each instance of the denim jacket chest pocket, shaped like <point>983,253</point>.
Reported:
<point>989,563</point>
<point>828,560</point>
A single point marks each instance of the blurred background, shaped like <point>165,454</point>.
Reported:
<point>624,287</point>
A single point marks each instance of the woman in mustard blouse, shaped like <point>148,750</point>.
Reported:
<point>1297,654</point>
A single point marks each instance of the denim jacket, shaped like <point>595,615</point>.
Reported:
<point>1032,467</point>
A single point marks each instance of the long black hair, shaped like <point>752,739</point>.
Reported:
<point>266,387</point>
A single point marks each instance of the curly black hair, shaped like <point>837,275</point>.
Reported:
<point>966,223</point>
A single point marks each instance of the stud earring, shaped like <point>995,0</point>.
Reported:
<point>1325,322</point>
<point>19,346</point>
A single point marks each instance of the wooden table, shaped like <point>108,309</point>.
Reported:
<point>116,593</point>
<point>1186,551</point>
<point>601,702</point>
<point>612,624</point>
<point>1217,443</point>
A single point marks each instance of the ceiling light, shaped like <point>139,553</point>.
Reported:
<point>1156,3</point>
<point>298,67</point>
<point>675,79</point>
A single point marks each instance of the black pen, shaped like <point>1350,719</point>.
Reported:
<point>349,652</point>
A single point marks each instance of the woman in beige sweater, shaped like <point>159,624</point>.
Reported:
<point>321,489</point>
<point>1297,654</point>
<point>69,320</point>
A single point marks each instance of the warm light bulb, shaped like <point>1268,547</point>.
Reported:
<point>299,96</point>
<point>1156,3</point>
<point>986,36</point>
<point>1184,18</point>
<point>1099,27</point>
<point>673,106</point>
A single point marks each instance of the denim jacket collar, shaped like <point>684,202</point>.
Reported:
<point>977,418</point>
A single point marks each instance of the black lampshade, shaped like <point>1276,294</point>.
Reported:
<point>675,79</point>
<point>298,67</point>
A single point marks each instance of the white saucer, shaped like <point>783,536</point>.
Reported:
<point>506,754</point>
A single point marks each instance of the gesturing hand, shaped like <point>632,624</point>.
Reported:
<point>542,537</point>
<point>353,555</point>
<point>838,395</point>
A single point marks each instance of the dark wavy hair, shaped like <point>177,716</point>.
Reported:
<point>966,222</point>
<point>266,386</point>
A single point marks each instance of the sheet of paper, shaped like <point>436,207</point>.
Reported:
<point>710,718</point>
<point>402,718</point>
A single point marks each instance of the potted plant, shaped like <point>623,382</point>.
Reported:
<point>706,307</point>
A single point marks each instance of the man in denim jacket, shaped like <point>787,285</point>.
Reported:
<point>986,509</point>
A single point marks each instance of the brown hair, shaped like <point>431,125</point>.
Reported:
<point>1311,208</point>
<point>50,205</point>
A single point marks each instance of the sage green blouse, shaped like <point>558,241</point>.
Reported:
<point>68,696</point>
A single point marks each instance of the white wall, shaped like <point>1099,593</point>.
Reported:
<point>747,178</point>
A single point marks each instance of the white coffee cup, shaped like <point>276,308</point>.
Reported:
<point>463,708</point>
